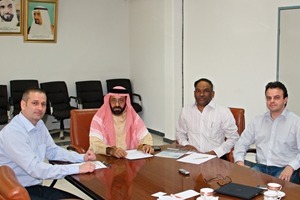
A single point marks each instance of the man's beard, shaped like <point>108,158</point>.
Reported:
<point>117,110</point>
<point>7,17</point>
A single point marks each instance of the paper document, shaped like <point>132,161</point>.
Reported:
<point>181,195</point>
<point>196,158</point>
<point>98,164</point>
<point>171,153</point>
<point>135,154</point>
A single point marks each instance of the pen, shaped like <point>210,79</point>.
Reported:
<point>200,158</point>
<point>172,149</point>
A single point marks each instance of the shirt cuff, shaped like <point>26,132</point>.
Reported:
<point>219,152</point>
<point>294,164</point>
<point>184,143</point>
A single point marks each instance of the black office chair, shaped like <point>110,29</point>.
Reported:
<point>89,94</point>
<point>4,106</point>
<point>110,83</point>
<point>17,88</point>
<point>58,102</point>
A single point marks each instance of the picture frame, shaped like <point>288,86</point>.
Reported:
<point>11,17</point>
<point>40,21</point>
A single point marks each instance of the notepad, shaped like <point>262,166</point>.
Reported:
<point>171,153</point>
<point>135,154</point>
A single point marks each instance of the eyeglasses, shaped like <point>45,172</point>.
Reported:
<point>120,101</point>
<point>221,180</point>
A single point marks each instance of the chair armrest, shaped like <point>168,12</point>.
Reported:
<point>76,99</point>
<point>139,98</point>
<point>10,186</point>
<point>230,157</point>
<point>76,148</point>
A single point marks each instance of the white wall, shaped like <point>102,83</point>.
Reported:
<point>92,43</point>
<point>155,61</point>
<point>233,43</point>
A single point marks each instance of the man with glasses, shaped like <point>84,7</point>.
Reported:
<point>276,135</point>
<point>116,127</point>
<point>205,126</point>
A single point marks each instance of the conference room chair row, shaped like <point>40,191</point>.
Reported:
<point>89,94</point>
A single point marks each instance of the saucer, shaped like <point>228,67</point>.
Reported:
<point>211,197</point>
<point>281,194</point>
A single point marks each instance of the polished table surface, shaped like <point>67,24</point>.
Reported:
<point>138,179</point>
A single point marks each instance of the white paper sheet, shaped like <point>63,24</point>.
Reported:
<point>196,158</point>
<point>186,194</point>
<point>135,154</point>
<point>98,164</point>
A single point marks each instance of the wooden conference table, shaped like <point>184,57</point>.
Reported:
<point>138,179</point>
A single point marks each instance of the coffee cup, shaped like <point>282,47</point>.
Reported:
<point>206,192</point>
<point>274,186</point>
<point>271,195</point>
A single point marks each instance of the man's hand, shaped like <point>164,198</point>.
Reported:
<point>89,156</point>
<point>118,152</point>
<point>189,148</point>
<point>241,163</point>
<point>146,148</point>
<point>286,173</point>
<point>87,167</point>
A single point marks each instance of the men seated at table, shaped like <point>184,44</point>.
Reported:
<point>25,143</point>
<point>204,125</point>
<point>116,127</point>
<point>276,135</point>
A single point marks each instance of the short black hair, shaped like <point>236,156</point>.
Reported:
<point>25,95</point>
<point>206,80</point>
<point>277,84</point>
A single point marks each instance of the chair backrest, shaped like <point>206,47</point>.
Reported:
<point>110,83</point>
<point>17,88</point>
<point>10,186</point>
<point>3,104</point>
<point>90,93</point>
<point>80,123</point>
<point>57,94</point>
<point>239,116</point>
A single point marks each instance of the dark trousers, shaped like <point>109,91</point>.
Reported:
<point>39,192</point>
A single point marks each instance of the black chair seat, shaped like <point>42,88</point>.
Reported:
<point>63,114</point>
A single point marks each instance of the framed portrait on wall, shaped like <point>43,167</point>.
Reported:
<point>11,21</point>
<point>40,21</point>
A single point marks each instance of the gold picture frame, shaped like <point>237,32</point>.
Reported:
<point>40,21</point>
<point>11,17</point>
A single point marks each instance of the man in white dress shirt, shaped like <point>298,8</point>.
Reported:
<point>205,126</point>
<point>276,135</point>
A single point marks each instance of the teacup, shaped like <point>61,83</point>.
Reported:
<point>271,195</point>
<point>207,192</point>
<point>274,186</point>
